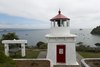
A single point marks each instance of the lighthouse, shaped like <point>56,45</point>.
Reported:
<point>61,43</point>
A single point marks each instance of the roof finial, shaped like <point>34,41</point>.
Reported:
<point>59,11</point>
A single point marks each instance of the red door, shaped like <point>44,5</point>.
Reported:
<point>60,53</point>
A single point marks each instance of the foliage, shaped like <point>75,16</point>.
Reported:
<point>80,43</point>
<point>6,61</point>
<point>89,54</point>
<point>84,48</point>
<point>41,45</point>
<point>96,31</point>
<point>97,44</point>
<point>81,48</point>
<point>9,36</point>
<point>1,47</point>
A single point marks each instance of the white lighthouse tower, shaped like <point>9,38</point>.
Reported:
<point>61,43</point>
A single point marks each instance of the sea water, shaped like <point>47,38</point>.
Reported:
<point>35,35</point>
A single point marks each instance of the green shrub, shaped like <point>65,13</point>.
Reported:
<point>80,43</point>
<point>39,43</point>
<point>87,49</point>
<point>9,36</point>
<point>81,48</point>
<point>42,45</point>
<point>6,61</point>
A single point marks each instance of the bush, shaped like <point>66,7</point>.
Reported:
<point>9,36</point>
<point>87,49</point>
<point>80,43</point>
<point>44,46</point>
<point>81,48</point>
<point>41,45</point>
<point>6,61</point>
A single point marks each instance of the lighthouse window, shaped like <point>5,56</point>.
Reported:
<point>60,51</point>
<point>60,23</point>
<point>67,24</point>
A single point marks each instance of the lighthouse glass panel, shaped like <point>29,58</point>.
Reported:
<point>67,24</point>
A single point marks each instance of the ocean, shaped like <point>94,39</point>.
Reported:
<point>35,35</point>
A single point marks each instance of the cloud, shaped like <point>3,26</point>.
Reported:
<point>25,26</point>
<point>83,13</point>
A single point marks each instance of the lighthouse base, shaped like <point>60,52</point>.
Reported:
<point>77,65</point>
<point>56,56</point>
<point>65,65</point>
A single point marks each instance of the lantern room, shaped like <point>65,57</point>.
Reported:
<point>59,20</point>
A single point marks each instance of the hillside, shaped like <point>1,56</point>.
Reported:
<point>96,31</point>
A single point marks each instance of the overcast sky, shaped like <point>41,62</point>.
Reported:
<point>37,13</point>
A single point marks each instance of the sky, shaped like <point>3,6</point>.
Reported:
<point>36,14</point>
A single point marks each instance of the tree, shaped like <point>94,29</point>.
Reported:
<point>9,36</point>
<point>80,43</point>
<point>41,45</point>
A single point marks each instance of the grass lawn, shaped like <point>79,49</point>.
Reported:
<point>30,53</point>
<point>89,54</point>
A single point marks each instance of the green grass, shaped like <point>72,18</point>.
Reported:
<point>89,54</point>
<point>6,61</point>
<point>30,53</point>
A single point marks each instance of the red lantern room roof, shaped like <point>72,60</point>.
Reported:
<point>59,16</point>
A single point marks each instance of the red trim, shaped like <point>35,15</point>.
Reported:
<point>59,16</point>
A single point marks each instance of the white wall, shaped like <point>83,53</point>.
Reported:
<point>70,53</point>
<point>61,40</point>
<point>60,31</point>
